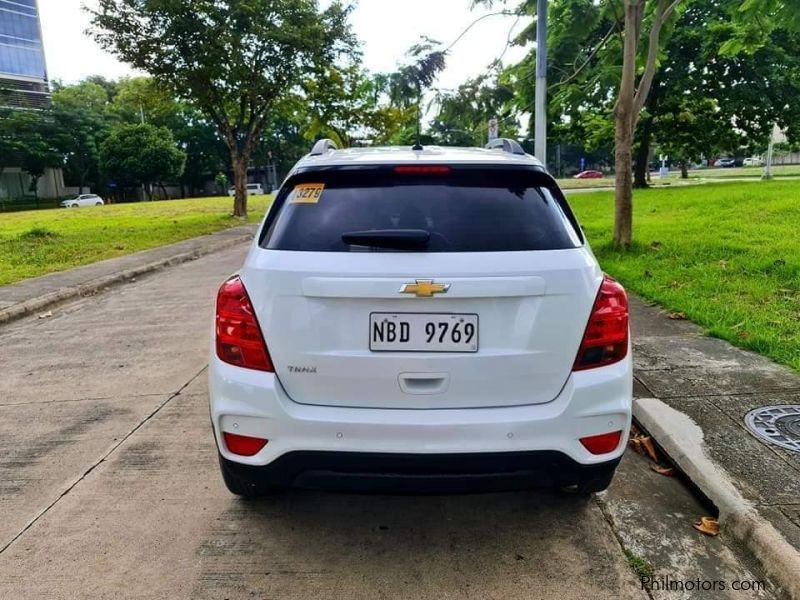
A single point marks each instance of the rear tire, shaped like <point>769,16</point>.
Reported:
<point>241,486</point>
<point>98,204</point>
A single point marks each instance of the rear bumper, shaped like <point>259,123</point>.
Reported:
<point>253,403</point>
<point>420,473</point>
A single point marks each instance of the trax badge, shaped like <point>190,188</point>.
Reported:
<point>424,288</point>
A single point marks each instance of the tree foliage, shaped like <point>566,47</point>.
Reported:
<point>141,154</point>
<point>80,112</point>
<point>28,140</point>
<point>234,59</point>
<point>463,114</point>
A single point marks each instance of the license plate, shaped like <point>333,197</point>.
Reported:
<point>423,332</point>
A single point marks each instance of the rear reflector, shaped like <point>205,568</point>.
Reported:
<point>603,443</point>
<point>242,444</point>
<point>238,336</point>
<point>422,170</point>
<point>606,338</point>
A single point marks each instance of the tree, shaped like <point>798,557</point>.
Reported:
<point>80,113</point>
<point>755,20</point>
<point>690,129</point>
<point>141,154</point>
<point>234,59</point>
<point>9,140</point>
<point>610,36</point>
<point>463,114</point>
<point>406,86</point>
<point>143,99</point>
<point>27,139</point>
<point>706,101</point>
<point>348,104</point>
<point>631,100</point>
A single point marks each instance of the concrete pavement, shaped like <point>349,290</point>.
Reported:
<point>25,297</point>
<point>109,487</point>
<point>700,390</point>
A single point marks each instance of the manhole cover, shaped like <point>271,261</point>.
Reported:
<point>779,425</point>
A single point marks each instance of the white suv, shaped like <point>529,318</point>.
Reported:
<point>420,320</point>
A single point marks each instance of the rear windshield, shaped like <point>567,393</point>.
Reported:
<point>470,210</point>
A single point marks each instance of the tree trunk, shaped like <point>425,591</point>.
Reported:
<point>239,163</point>
<point>623,201</point>
<point>624,126</point>
<point>684,169</point>
<point>642,168</point>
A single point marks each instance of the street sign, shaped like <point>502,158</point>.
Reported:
<point>494,129</point>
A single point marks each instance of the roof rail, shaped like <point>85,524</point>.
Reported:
<point>507,145</point>
<point>323,146</point>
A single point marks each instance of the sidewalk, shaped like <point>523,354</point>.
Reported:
<point>31,295</point>
<point>693,393</point>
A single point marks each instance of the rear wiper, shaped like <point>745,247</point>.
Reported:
<point>400,239</point>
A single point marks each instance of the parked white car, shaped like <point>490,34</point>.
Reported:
<point>83,200</point>
<point>420,320</point>
<point>753,162</point>
<point>253,189</point>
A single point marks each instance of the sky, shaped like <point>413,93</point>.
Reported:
<point>386,27</point>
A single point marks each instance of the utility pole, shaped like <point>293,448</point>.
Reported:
<point>540,127</point>
<point>770,152</point>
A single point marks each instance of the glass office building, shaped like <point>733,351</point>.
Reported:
<point>23,84</point>
<point>23,74</point>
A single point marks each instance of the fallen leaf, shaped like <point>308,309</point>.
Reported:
<point>666,471</point>
<point>46,315</point>
<point>676,316</point>
<point>723,264</point>
<point>650,448</point>
<point>635,442</point>
<point>675,284</point>
<point>707,525</point>
<point>655,245</point>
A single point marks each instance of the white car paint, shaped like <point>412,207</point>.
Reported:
<point>329,392</point>
<point>83,200</point>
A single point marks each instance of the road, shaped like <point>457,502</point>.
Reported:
<point>109,487</point>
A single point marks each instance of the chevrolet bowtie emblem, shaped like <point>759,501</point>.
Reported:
<point>425,288</point>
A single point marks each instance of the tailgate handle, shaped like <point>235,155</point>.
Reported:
<point>423,383</point>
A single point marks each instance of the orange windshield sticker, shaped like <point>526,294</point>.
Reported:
<point>306,193</point>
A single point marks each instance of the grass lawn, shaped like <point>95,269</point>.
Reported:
<point>37,242</point>
<point>726,255</point>
<point>570,183</point>
<point>756,172</point>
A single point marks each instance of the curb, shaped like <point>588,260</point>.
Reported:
<point>682,440</point>
<point>22,309</point>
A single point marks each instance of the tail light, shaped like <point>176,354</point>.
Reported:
<point>238,336</point>
<point>243,445</point>
<point>606,338</point>
<point>603,443</point>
